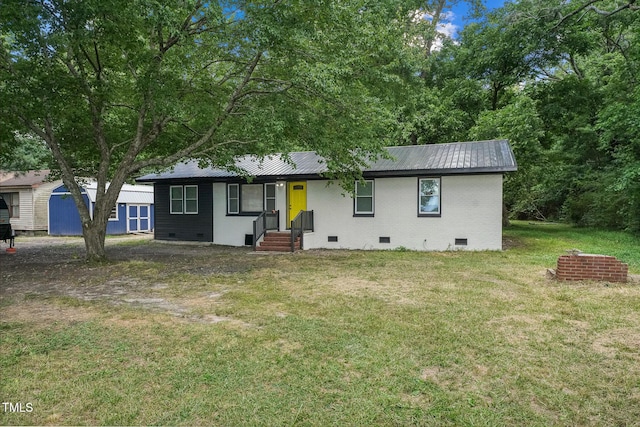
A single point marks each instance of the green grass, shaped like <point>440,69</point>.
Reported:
<point>339,338</point>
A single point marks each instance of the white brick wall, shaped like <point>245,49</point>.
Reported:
<point>471,207</point>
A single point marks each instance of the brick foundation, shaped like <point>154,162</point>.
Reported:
<point>591,267</point>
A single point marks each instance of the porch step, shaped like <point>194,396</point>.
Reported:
<point>278,241</point>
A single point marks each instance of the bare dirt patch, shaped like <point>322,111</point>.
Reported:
<point>47,313</point>
<point>45,268</point>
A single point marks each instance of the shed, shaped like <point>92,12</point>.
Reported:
<point>27,195</point>
<point>133,212</point>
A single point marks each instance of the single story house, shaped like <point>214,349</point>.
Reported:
<point>425,197</point>
<point>27,195</point>
<point>133,212</point>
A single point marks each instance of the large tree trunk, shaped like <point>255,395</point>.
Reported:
<point>95,230</point>
<point>94,237</point>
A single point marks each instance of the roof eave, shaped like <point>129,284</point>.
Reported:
<point>366,174</point>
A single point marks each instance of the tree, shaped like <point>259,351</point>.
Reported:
<point>28,153</point>
<point>519,123</point>
<point>114,87</point>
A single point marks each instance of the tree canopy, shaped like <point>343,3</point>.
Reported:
<point>114,87</point>
<point>560,81</point>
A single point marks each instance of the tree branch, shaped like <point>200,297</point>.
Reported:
<point>68,176</point>
<point>206,137</point>
<point>589,6</point>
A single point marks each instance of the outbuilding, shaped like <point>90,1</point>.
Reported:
<point>27,195</point>
<point>133,212</point>
<point>424,197</point>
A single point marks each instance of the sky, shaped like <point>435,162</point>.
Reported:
<point>460,11</point>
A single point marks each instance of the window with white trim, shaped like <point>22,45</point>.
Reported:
<point>250,199</point>
<point>233,199</point>
<point>191,199</point>
<point>113,216</point>
<point>269,197</point>
<point>175,192</point>
<point>183,199</point>
<point>428,196</point>
<point>364,198</point>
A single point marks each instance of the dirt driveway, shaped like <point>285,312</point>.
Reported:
<point>49,267</point>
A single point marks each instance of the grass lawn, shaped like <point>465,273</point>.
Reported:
<point>220,336</point>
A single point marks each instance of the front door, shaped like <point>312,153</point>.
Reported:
<point>297,199</point>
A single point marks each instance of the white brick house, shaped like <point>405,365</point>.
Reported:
<point>429,197</point>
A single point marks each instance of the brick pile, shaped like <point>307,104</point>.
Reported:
<point>591,267</point>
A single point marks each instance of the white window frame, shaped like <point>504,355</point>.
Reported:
<point>172,199</point>
<point>185,210</point>
<point>113,216</point>
<point>356,196</point>
<point>183,200</point>
<point>437,193</point>
<point>236,199</point>
<point>247,190</point>
<point>268,198</point>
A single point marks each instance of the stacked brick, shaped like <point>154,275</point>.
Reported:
<point>591,267</point>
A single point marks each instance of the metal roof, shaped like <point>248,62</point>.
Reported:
<point>142,194</point>
<point>493,156</point>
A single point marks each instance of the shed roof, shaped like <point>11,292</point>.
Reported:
<point>142,194</point>
<point>29,179</point>
<point>493,156</point>
<point>135,194</point>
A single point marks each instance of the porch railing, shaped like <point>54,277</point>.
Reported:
<point>267,220</point>
<point>301,223</point>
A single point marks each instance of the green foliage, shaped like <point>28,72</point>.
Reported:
<point>115,87</point>
<point>560,81</point>
<point>23,153</point>
<point>520,124</point>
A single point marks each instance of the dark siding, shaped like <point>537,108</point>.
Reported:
<point>192,227</point>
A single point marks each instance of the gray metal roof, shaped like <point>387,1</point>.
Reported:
<point>142,194</point>
<point>494,156</point>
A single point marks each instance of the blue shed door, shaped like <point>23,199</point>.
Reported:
<point>138,218</point>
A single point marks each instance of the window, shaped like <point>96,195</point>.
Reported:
<point>191,199</point>
<point>363,201</point>
<point>113,216</point>
<point>13,202</point>
<point>233,198</point>
<point>183,199</point>
<point>269,197</point>
<point>250,198</point>
<point>429,197</point>
<point>176,199</point>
